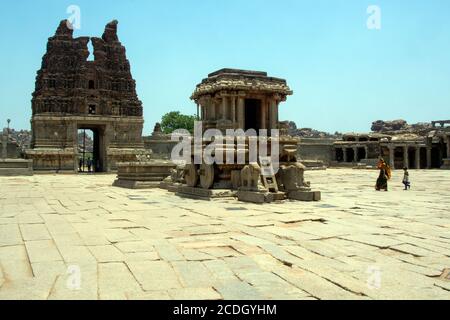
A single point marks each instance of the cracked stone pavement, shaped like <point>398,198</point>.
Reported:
<point>77,237</point>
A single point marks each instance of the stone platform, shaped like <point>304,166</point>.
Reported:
<point>305,195</point>
<point>135,244</point>
<point>142,175</point>
<point>16,167</point>
<point>204,194</point>
<point>446,164</point>
<point>169,186</point>
<point>313,164</point>
<point>260,197</point>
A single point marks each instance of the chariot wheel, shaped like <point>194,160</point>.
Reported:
<point>206,175</point>
<point>191,175</point>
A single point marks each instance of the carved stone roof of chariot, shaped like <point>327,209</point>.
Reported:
<point>241,80</point>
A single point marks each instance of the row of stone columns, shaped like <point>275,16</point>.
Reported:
<point>406,156</point>
<point>241,112</point>
<point>208,108</point>
<point>417,155</point>
<point>355,153</point>
<point>233,109</point>
<point>428,157</point>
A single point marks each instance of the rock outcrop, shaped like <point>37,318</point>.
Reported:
<point>399,126</point>
<point>292,130</point>
<point>384,126</point>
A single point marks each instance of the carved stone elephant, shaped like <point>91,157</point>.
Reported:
<point>291,177</point>
<point>250,176</point>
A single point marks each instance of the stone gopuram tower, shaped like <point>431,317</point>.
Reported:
<point>73,93</point>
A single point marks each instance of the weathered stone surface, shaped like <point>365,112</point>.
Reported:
<point>254,196</point>
<point>116,282</point>
<point>42,250</point>
<point>204,194</point>
<point>76,254</point>
<point>305,195</point>
<point>142,175</point>
<point>154,275</point>
<point>34,232</point>
<point>195,294</point>
<point>193,274</point>
<point>237,290</point>
<point>10,235</point>
<point>16,167</point>
<point>107,253</point>
<point>168,252</point>
<point>155,246</point>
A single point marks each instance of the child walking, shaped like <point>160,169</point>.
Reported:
<point>406,181</point>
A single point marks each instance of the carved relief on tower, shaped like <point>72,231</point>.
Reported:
<point>66,75</point>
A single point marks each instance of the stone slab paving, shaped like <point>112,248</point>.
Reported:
<point>77,237</point>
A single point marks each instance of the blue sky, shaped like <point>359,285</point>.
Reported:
<point>344,76</point>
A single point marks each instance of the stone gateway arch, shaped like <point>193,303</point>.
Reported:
<point>73,93</point>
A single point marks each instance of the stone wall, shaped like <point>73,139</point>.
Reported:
<point>316,149</point>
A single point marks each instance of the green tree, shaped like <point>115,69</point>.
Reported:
<point>175,120</point>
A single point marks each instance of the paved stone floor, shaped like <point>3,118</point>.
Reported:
<point>77,237</point>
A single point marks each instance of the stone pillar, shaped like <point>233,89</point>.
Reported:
<point>405,157</point>
<point>241,112</point>
<point>366,149</point>
<point>224,107</point>
<point>233,109</point>
<point>273,114</point>
<point>417,157</point>
<point>212,110</point>
<point>204,110</point>
<point>448,147</point>
<point>344,154</point>
<point>263,115</point>
<point>428,157</point>
<point>277,103</point>
<point>391,156</point>
<point>355,154</point>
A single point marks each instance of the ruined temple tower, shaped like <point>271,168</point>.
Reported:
<point>73,93</point>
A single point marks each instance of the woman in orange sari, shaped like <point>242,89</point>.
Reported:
<point>385,175</point>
